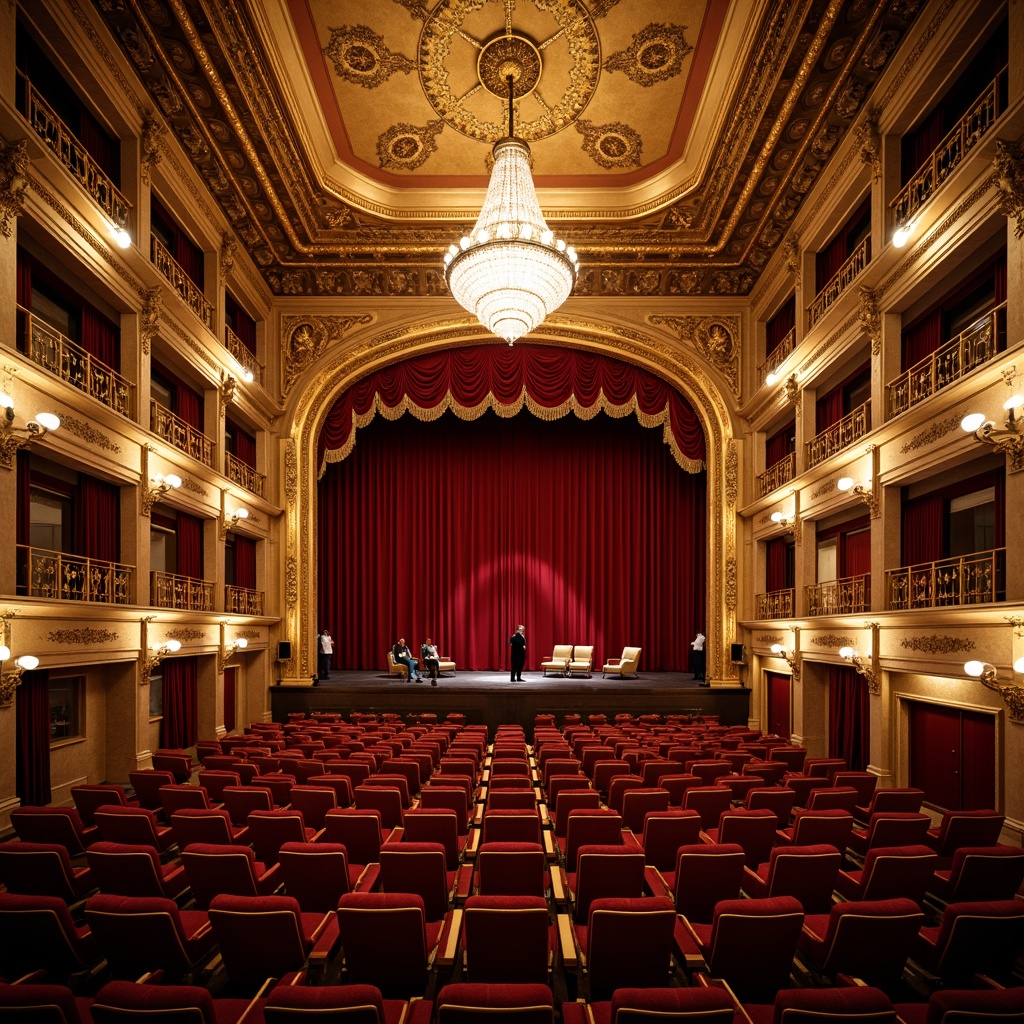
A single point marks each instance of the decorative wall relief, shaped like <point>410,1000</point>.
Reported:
<point>306,337</point>
<point>149,324</point>
<point>186,633</point>
<point>13,183</point>
<point>1009,167</point>
<point>716,338</point>
<point>940,428</point>
<point>655,54</point>
<point>82,635</point>
<point>937,644</point>
<point>833,640</point>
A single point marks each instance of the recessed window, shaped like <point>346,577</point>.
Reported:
<point>50,521</point>
<point>972,522</point>
<point>156,696</point>
<point>66,719</point>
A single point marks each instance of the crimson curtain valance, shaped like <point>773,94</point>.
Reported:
<point>550,382</point>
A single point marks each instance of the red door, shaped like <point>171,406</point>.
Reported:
<point>778,686</point>
<point>952,756</point>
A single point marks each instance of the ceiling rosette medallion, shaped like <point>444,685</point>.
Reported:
<point>655,54</point>
<point>360,56</point>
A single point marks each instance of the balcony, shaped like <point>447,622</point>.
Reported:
<point>776,475</point>
<point>73,365</point>
<point>979,578</point>
<point>182,435</point>
<point>776,604</point>
<point>242,355</point>
<point>839,282</point>
<point>62,577</point>
<point>955,359</point>
<point>181,282</point>
<point>839,597</point>
<point>777,356</point>
<point>167,590</point>
<point>245,476</point>
<point>835,438</point>
<point>242,601</point>
<point>73,155</point>
<point>951,151</point>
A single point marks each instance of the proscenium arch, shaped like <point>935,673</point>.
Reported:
<point>346,363</point>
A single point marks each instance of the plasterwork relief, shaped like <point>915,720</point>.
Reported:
<point>306,338</point>
<point>716,338</point>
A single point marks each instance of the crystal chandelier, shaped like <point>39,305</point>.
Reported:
<point>510,271</point>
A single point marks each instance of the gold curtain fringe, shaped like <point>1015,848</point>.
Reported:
<point>507,410</point>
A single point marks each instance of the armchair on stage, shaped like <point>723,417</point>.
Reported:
<point>396,669</point>
<point>626,665</point>
<point>567,659</point>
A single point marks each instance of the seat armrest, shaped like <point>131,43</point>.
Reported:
<point>326,940</point>
<point>545,818</point>
<point>687,946</point>
<point>448,941</point>
<point>567,943</point>
<point>253,1012</point>
<point>463,882</point>
<point>656,883</point>
<point>703,981</point>
<point>368,879</point>
<point>472,844</point>
<point>630,841</point>
<point>549,846</point>
<point>558,885</point>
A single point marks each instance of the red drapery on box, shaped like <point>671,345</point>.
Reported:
<point>97,523</point>
<point>33,738</point>
<point>585,532</point>
<point>190,546</point>
<point>848,717</point>
<point>550,382</point>
<point>180,725</point>
<point>780,325</point>
<point>245,562</point>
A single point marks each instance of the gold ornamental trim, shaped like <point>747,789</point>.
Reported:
<point>938,644</point>
<point>507,410</point>
<point>83,635</point>
<point>833,640</point>
<point>932,433</point>
<point>186,633</point>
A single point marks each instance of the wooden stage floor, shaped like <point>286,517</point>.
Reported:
<point>490,698</point>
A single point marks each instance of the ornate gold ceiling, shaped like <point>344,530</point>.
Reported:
<point>348,140</point>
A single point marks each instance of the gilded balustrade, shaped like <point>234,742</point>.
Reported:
<point>777,474</point>
<point>58,576</point>
<point>776,604</point>
<point>777,356</point>
<point>245,476</point>
<point>978,578</point>
<point>181,282</point>
<point>242,601</point>
<point>182,435</point>
<point>975,345</point>
<point>839,597</point>
<point>839,282</point>
<point>245,358</point>
<point>168,590</point>
<point>839,435</point>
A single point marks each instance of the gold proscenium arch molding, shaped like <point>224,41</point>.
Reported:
<point>344,364</point>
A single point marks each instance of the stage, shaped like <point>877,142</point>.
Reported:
<point>490,698</point>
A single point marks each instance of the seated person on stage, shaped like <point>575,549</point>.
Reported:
<point>431,660</point>
<point>403,656</point>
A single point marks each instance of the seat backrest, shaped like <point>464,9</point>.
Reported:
<point>212,869</point>
<point>979,938</point>
<point>752,945</point>
<point>239,801</point>
<point>506,939</point>
<point>178,764</point>
<point>511,869</point>
<point>60,825</point>
<point>89,797</point>
<point>418,868</point>
<point>754,831</point>
<point>39,1004</point>
<point>629,943</point>
<point>590,826</point>
<point>982,873</point>
<point>434,825</point>
<point>664,832</point>
<point>37,869</point>
<point>136,826</point>
<point>804,785</point>
<point>301,1004</point>
<point>125,870</point>
<point>811,828</point>
<point>177,796</point>
<point>139,934</point>
<point>583,654</point>
<point>777,799</point>
<point>259,937</point>
<point>606,871</point>
<point>510,826</point>
<point>561,652</point>
<point>807,873</point>
<point>897,828</point>
<point>214,781</point>
<point>854,1004</point>
<point>901,871</point>
<point>269,830</point>
<point>871,939</point>
<point>967,828</point>
<point>569,802</point>
<point>705,874</point>
<point>904,799</point>
<point>313,802</point>
<point>709,802</point>
<point>452,798</point>
<point>316,874</point>
<point>864,782</point>
<point>830,798</point>
<point>519,798</point>
<point>196,825</point>
<point>466,1003</point>
<point>654,1005</point>
<point>359,831</point>
<point>38,933</point>
<point>385,941</point>
<point>619,786</point>
<point>387,800</point>
<point>630,658</point>
<point>120,1001</point>
<point>960,1006</point>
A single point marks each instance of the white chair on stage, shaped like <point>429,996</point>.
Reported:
<point>624,666</point>
<point>582,660</point>
<point>559,660</point>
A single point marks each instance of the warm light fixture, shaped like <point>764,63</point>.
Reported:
<point>158,653</point>
<point>246,374</point>
<point>1012,693</point>
<point>863,491</point>
<point>1018,666</point>
<point>13,438</point>
<point>235,518</point>
<point>782,519</point>
<point>983,670</point>
<point>772,378</point>
<point>1007,439</point>
<point>902,234</point>
<point>158,486</point>
<point>121,236</point>
<point>510,271</point>
<point>789,657</point>
<point>11,679</point>
<point>863,668</point>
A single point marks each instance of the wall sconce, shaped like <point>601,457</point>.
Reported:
<point>246,374</point>
<point>157,654</point>
<point>788,521</point>
<point>158,486</point>
<point>772,378</point>
<point>232,520</point>
<point>789,657</point>
<point>10,680</point>
<point>13,438</point>
<point>1012,693</point>
<point>1007,439</point>
<point>863,491</point>
<point>902,234</point>
<point>863,669</point>
<point>231,649</point>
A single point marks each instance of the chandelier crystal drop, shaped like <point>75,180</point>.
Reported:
<point>511,271</point>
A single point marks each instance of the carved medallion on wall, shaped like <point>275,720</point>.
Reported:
<point>88,433</point>
<point>186,633</point>
<point>932,433</point>
<point>306,337</point>
<point>716,338</point>
<point>768,638</point>
<point>404,147</point>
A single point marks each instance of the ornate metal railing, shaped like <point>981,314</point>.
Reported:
<point>233,343</point>
<point>957,357</point>
<point>950,152</point>
<point>777,356</point>
<point>181,282</point>
<point>965,579</point>
<point>835,438</point>
<point>839,597</point>
<point>839,282</point>
<point>240,473</point>
<point>776,604</point>
<point>74,156</point>
<point>71,363</point>
<point>242,601</point>
<point>181,434</point>
<point>62,577</point>
<point>168,590</point>
<point>776,475</point>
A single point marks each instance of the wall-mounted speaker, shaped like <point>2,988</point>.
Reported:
<point>284,650</point>
<point>737,655</point>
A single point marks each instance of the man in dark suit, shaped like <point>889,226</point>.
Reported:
<point>517,641</point>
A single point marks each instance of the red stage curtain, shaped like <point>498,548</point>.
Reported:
<point>23,497</point>
<point>180,724</point>
<point>923,529</point>
<point>829,260</point>
<point>229,699</point>
<point>97,523</point>
<point>188,405</point>
<point>245,562</point>
<point>476,378</point>
<point>848,717</point>
<point>586,532</point>
<point>190,546</point>
<point>33,738</point>
<point>922,338</point>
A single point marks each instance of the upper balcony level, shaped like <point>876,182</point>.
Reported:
<point>978,578</point>
<point>839,282</point>
<point>776,475</point>
<point>840,435</point>
<point>182,435</point>
<point>190,293</point>
<point>59,576</point>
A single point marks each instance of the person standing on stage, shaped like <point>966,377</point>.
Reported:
<point>324,650</point>
<point>517,641</point>
<point>698,655</point>
<point>431,660</point>
<point>403,656</point>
